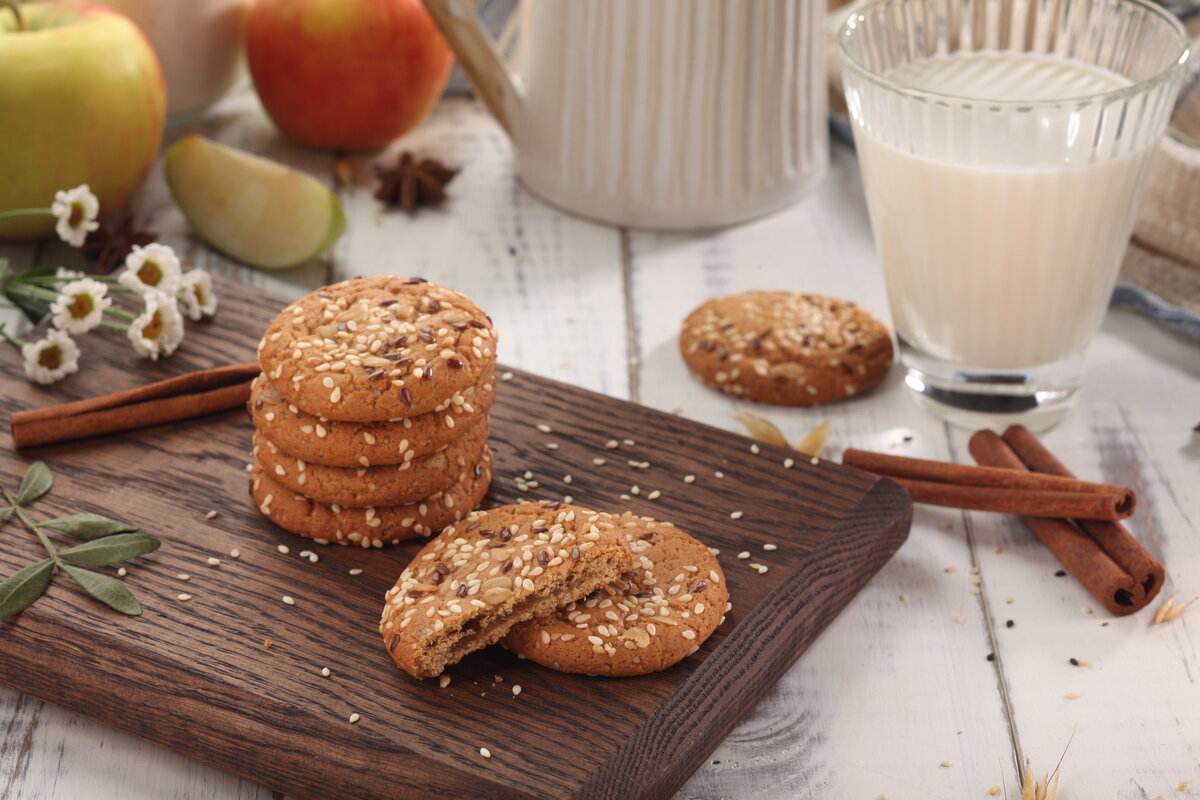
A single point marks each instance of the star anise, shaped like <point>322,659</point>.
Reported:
<point>109,246</point>
<point>411,183</point>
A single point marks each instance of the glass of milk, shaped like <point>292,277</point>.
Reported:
<point>1004,147</point>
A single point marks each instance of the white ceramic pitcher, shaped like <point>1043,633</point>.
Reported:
<point>667,114</point>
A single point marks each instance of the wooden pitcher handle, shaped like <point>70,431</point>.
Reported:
<point>479,57</point>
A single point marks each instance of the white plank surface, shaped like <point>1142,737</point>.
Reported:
<point>895,686</point>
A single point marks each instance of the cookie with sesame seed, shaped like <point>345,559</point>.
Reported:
<point>480,577</point>
<point>367,485</point>
<point>656,614</point>
<point>786,347</point>
<point>342,444</point>
<point>368,527</point>
<point>375,349</point>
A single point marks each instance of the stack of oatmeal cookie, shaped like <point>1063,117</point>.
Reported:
<point>371,412</point>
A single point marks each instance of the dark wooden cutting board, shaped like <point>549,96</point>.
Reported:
<point>196,677</point>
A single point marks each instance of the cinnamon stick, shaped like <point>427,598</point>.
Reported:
<point>1114,538</point>
<point>921,469</point>
<point>1033,502</point>
<point>182,397</point>
<point>1079,554</point>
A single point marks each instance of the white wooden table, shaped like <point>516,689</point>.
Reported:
<point>900,683</point>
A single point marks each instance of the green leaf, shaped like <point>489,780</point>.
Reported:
<point>24,586</point>
<point>37,481</point>
<point>88,526</point>
<point>111,550</point>
<point>44,271</point>
<point>5,512</point>
<point>109,591</point>
<point>5,274</point>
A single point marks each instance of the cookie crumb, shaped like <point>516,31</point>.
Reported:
<point>443,681</point>
<point>995,790</point>
<point>267,643</point>
<point>1183,785</point>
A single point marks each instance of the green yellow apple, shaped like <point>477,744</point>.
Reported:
<point>81,101</point>
<point>251,208</point>
<point>346,74</point>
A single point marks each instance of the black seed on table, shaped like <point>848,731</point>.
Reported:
<point>991,656</point>
<point>1009,624</point>
<point>1062,573</point>
<point>1074,662</point>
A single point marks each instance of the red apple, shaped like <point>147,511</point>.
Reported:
<point>81,101</point>
<point>346,74</point>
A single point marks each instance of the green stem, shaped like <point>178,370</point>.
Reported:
<point>26,212</point>
<point>29,523</point>
<point>8,337</point>
<point>29,290</point>
<point>122,313</point>
<point>113,326</point>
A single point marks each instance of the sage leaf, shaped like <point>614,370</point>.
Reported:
<point>88,526</point>
<point>24,586</point>
<point>109,591</point>
<point>37,481</point>
<point>111,549</point>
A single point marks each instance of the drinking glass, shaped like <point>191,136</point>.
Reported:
<point>1001,205</point>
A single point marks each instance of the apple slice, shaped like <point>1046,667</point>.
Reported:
<point>252,209</point>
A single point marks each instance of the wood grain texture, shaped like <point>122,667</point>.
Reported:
<point>196,677</point>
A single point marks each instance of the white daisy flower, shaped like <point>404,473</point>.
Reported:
<point>52,358</point>
<point>153,268</point>
<point>76,210</point>
<point>159,329</point>
<point>197,294</point>
<point>80,305</point>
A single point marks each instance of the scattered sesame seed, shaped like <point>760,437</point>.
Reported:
<point>997,549</point>
<point>355,717</point>
<point>689,478</point>
<point>235,553</point>
<point>599,462</point>
<point>629,442</point>
<point>214,562</point>
<point>483,751</point>
<point>946,763</point>
<point>611,444</point>
<point>183,576</point>
<point>735,515</point>
<point>654,495</point>
<point>551,445</point>
<point>544,428</point>
<point>356,571</point>
<point>719,474</point>
<point>288,600</point>
<point>744,554</point>
<point>762,569</point>
<point>995,790</point>
<point>1183,785</point>
<point>325,672</point>
<point>1071,695</point>
<point>754,448</point>
<point>1010,600</point>
<point>506,376</point>
<point>313,558</point>
<point>567,499</point>
<point>567,479</point>
<point>121,572</point>
<point>948,570</point>
<point>516,689</point>
<point>961,620</point>
<point>211,515</point>
<point>814,461</point>
<point>635,489</point>
<point>1088,610</point>
<point>444,681</point>
<point>903,598</point>
<point>945,526</point>
<point>788,463</point>
<point>769,546</point>
<point>183,598</point>
<point>283,548</point>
